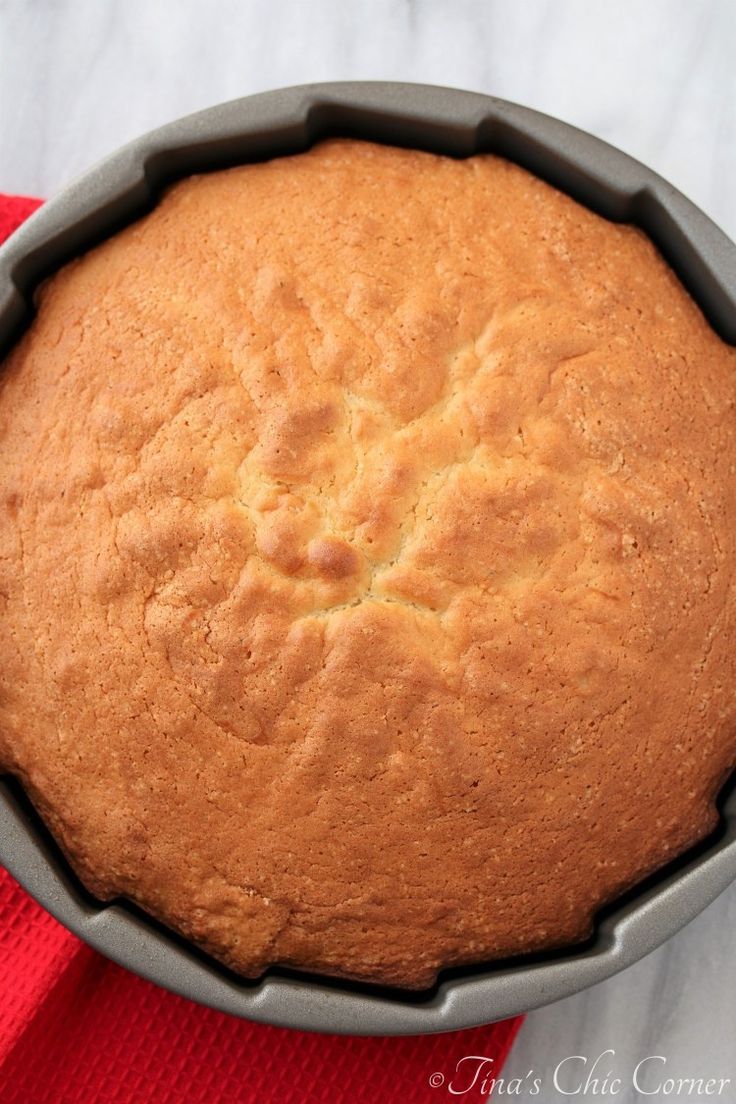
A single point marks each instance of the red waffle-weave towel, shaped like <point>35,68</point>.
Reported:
<point>76,1029</point>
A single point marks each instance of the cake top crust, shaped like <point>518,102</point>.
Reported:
<point>367,563</point>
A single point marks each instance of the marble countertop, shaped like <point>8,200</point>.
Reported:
<point>658,79</point>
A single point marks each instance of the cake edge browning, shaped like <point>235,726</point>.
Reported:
<point>402,979</point>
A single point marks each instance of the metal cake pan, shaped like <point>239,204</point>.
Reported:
<point>446,121</point>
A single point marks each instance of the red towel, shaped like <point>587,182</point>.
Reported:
<point>76,1029</point>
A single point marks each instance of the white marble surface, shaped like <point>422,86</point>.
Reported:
<point>656,77</point>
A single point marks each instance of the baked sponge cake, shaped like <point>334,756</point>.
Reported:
<point>367,563</point>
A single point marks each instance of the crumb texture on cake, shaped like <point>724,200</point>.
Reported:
<point>367,563</point>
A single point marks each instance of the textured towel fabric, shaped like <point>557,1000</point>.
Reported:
<point>76,1029</point>
<point>13,211</point>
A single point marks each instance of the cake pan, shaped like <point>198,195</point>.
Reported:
<point>451,122</point>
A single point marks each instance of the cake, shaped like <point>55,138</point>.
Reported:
<point>368,545</point>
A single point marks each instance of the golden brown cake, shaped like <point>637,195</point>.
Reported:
<point>368,544</point>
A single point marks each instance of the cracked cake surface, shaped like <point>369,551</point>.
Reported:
<point>367,563</point>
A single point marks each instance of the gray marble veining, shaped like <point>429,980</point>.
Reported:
<point>656,77</point>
